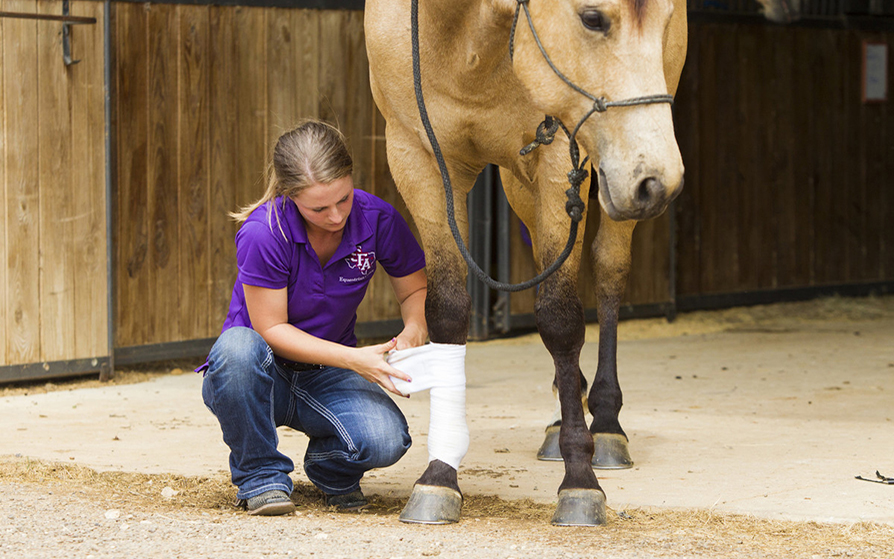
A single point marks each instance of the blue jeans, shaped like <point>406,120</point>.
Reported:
<point>353,425</point>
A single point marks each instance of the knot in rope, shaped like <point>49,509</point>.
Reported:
<point>575,207</point>
<point>545,135</point>
<point>599,105</point>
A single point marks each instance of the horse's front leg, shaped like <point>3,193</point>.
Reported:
<point>611,265</point>
<point>560,320</point>
<point>436,497</point>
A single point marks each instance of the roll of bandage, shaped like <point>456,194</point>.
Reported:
<point>440,368</point>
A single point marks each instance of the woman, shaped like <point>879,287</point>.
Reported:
<point>287,355</point>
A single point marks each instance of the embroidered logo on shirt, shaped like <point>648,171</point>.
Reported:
<point>362,261</point>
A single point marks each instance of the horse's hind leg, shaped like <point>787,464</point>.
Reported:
<point>436,497</point>
<point>611,264</point>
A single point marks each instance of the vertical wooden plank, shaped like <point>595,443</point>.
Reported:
<point>830,256</point>
<point>56,242</point>
<point>344,74</point>
<point>805,175</point>
<point>854,198</point>
<point>307,25</point>
<point>884,203</point>
<point>757,223</point>
<point>250,36</point>
<point>360,109</point>
<point>88,185</point>
<point>164,180</point>
<point>20,55</point>
<point>282,72</point>
<point>4,32</point>
<point>871,174</point>
<point>716,97</point>
<point>792,254</point>
<point>193,161</point>
<point>687,123</point>
<point>223,164</point>
<point>333,90</point>
<point>649,263</point>
<point>134,299</point>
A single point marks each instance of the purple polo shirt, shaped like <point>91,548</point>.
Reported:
<point>323,300</point>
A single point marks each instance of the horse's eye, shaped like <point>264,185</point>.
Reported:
<point>595,20</point>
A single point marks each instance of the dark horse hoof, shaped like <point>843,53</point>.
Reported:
<point>610,452</point>
<point>549,450</point>
<point>580,507</point>
<point>432,504</point>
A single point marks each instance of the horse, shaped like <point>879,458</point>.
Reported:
<point>491,71</point>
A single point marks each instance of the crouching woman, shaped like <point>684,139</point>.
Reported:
<point>288,355</point>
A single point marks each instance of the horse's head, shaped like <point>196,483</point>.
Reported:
<point>617,50</point>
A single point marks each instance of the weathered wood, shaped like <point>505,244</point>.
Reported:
<point>853,133</point>
<point>252,114</point>
<point>163,181</point>
<point>54,189</point>
<point>20,62</point>
<point>134,302</point>
<point>687,125</point>
<point>193,161</point>
<point>708,164</point>
<point>792,253</point>
<point>754,208</point>
<point>306,48</point>
<point>89,186</point>
<point>223,164</point>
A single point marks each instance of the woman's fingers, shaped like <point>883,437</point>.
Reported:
<point>386,383</point>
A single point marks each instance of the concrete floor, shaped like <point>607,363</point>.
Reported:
<point>763,412</point>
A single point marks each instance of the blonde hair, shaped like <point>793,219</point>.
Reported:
<point>314,152</point>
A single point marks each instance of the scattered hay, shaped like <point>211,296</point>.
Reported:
<point>656,532</point>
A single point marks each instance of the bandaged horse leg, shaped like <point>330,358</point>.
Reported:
<point>441,369</point>
<point>436,498</point>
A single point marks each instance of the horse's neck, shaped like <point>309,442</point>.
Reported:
<point>468,27</point>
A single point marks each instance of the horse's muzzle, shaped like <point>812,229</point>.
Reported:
<point>649,199</point>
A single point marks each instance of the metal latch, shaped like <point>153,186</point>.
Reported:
<point>67,21</point>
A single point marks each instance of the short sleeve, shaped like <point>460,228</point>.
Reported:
<point>398,251</point>
<point>263,259</point>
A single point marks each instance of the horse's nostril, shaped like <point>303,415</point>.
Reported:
<point>647,189</point>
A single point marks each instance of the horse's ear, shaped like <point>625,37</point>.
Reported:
<point>504,7</point>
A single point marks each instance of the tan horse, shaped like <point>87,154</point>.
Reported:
<point>484,106</point>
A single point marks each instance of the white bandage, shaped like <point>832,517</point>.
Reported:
<point>442,369</point>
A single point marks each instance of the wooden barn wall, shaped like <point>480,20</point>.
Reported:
<point>203,93</point>
<point>788,172</point>
<point>53,289</point>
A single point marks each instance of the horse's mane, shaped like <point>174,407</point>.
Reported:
<point>638,7</point>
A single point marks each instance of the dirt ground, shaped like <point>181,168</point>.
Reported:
<point>747,427</point>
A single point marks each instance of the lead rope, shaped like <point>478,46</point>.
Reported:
<point>574,206</point>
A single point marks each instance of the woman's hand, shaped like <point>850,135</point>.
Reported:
<point>369,362</point>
